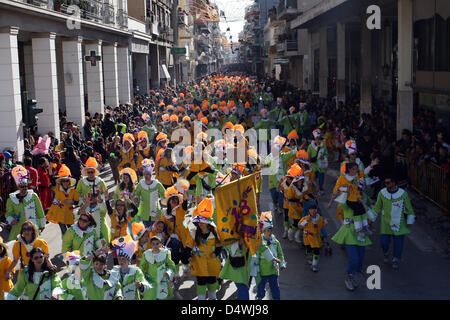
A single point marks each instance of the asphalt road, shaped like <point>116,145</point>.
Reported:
<point>424,273</point>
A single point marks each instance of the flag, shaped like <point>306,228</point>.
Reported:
<point>237,214</point>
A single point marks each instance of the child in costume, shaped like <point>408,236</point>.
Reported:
<point>312,225</point>
<point>94,204</point>
<point>270,259</point>
<point>38,281</point>
<point>144,150</point>
<point>5,264</point>
<point>349,187</point>
<point>82,236</point>
<point>23,205</point>
<point>174,216</point>
<point>141,235</point>
<point>90,179</point>
<point>297,196</point>
<point>159,270</point>
<point>127,185</point>
<point>206,247</point>
<point>127,154</point>
<point>65,197</point>
<point>100,283</point>
<point>134,285</point>
<point>318,154</point>
<point>148,191</point>
<point>285,183</point>
<point>72,285</point>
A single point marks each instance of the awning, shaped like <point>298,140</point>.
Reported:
<point>164,72</point>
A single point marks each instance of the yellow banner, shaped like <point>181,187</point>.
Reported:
<point>237,215</point>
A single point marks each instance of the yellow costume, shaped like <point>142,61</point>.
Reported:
<point>20,250</point>
<point>59,211</point>
<point>312,231</point>
<point>296,198</point>
<point>5,263</point>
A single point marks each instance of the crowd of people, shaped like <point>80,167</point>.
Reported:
<point>167,163</point>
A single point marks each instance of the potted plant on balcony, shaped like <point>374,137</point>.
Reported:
<point>82,5</point>
<point>58,3</point>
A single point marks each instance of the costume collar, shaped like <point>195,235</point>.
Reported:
<point>156,258</point>
<point>146,187</point>
<point>91,183</point>
<point>350,178</point>
<point>80,232</point>
<point>27,198</point>
<point>392,196</point>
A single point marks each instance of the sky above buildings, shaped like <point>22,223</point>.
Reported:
<point>234,13</point>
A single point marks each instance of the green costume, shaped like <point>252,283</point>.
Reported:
<point>86,241</point>
<point>151,131</point>
<point>239,274</point>
<point>30,208</point>
<point>128,283</point>
<point>149,195</point>
<point>106,287</point>
<point>73,289</point>
<point>155,267</point>
<point>84,186</point>
<point>315,151</point>
<point>269,249</point>
<point>347,234</point>
<point>51,286</point>
<point>396,210</point>
<point>99,214</point>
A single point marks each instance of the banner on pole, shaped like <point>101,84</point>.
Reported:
<point>237,214</point>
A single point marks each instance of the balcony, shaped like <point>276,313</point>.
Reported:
<point>122,19</point>
<point>281,47</point>
<point>92,10</point>
<point>287,10</point>
<point>39,3</point>
<point>108,14</point>
<point>152,27</point>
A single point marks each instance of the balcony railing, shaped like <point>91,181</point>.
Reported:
<point>39,3</point>
<point>122,19</point>
<point>281,47</point>
<point>108,14</point>
<point>291,45</point>
<point>93,10</point>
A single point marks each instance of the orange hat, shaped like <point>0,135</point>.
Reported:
<point>205,102</point>
<point>214,106</point>
<point>181,109</point>
<point>279,141</point>
<point>172,192</point>
<point>181,94</point>
<point>252,153</point>
<point>343,167</point>
<point>292,109</point>
<point>129,137</point>
<point>173,118</point>
<point>293,135</point>
<point>130,172</point>
<point>202,136</point>
<point>203,212</point>
<point>302,154</point>
<point>227,125</point>
<point>239,127</point>
<point>161,136</point>
<point>200,115</point>
<point>91,163</point>
<point>162,103</point>
<point>186,118</point>
<point>247,105</point>
<point>204,120</point>
<point>223,109</point>
<point>294,170</point>
<point>142,135</point>
<point>138,229</point>
<point>223,103</point>
<point>171,106</point>
<point>204,107</point>
<point>65,174</point>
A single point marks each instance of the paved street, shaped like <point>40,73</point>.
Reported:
<point>424,273</point>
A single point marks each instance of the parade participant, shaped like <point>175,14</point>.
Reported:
<point>90,179</point>
<point>121,216</point>
<point>289,121</point>
<point>160,230</point>
<point>302,160</point>
<point>165,169</point>
<point>45,191</point>
<point>144,150</point>
<point>72,286</point>
<point>127,153</point>
<point>253,166</point>
<point>272,162</point>
<point>159,270</point>
<point>303,119</point>
<point>285,183</point>
<point>113,150</point>
<point>297,196</point>
<point>6,283</point>
<point>65,197</point>
<point>318,154</point>
<point>173,216</point>
<point>149,128</point>
<point>270,259</point>
<point>127,185</point>
<point>82,236</point>
<point>267,124</point>
<point>132,280</point>
<point>312,225</point>
<point>140,234</point>
<point>23,205</point>
<point>94,204</point>
<point>100,283</point>
<point>148,191</point>
<point>38,281</point>
<point>397,215</point>
<point>34,177</point>
<point>349,186</point>
<point>161,141</point>
<point>206,247</point>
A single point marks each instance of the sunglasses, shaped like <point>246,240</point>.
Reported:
<point>90,172</point>
<point>38,257</point>
<point>27,229</point>
<point>84,220</point>
<point>64,181</point>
